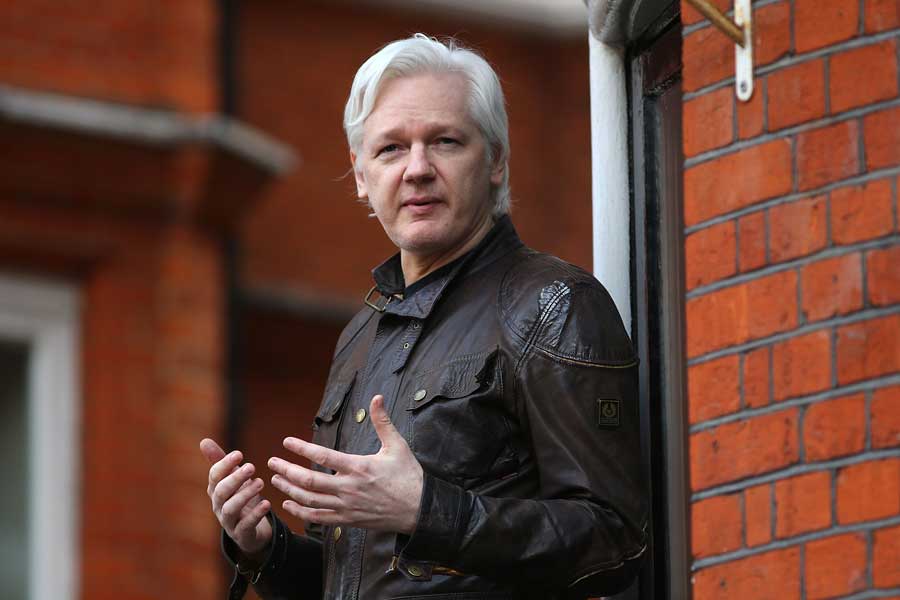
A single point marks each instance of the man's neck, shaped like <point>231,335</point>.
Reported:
<point>417,266</point>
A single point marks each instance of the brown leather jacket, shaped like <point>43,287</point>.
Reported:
<point>513,380</point>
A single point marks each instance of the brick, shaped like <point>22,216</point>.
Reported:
<point>802,504</point>
<point>820,23</point>
<point>771,32</point>
<point>758,514</point>
<point>710,254</point>
<point>716,525</point>
<point>868,491</point>
<point>708,121</point>
<point>835,428</point>
<point>882,138</point>
<point>751,118</point>
<point>885,417</point>
<point>774,574</point>
<point>835,566</point>
<point>689,14</point>
<point>885,566</point>
<point>827,154</point>
<point>861,212</point>
<point>796,94</point>
<point>883,275</point>
<point>752,241</point>
<point>797,228</point>
<point>881,15</point>
<point>737,180</point>
<point>742,312</point>
<point>736,450</point>
<point>756,377</point>
<point>868,349</point>
<point>708,57</point>
<point>831,287</point>
<point>862,76</point>
<point>713,388</point>
<point>801,365</point>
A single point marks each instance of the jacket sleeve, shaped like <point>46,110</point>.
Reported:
<point>574,389</point>
<point>291,571</point>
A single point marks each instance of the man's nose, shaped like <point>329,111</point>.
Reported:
<point>419,166</point>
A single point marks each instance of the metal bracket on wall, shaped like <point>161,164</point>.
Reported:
<point>741,31</point>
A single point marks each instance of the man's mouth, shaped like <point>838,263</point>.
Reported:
<point>420,205</point>
<point>420,201</point>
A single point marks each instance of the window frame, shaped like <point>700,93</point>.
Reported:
<point>44,315</point>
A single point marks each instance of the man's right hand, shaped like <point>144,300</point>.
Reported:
<point>236,501</point>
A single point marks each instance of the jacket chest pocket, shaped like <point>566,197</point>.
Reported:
<point>326,423</point>
<point>459,427</point>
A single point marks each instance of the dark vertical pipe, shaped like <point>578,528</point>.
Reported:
<point>234,396</point>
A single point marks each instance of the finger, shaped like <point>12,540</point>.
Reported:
<point>384,429</point>
<point>312,515</point>
<point>303,477</point>
<point>249,521</point>
<point>320,455</point>
<point>211,450</point>
<point>234,506</point>
<point>306,497</point>
<point>224,467</point>
<point>227,488</point>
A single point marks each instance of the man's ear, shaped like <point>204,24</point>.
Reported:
<point>498,168</point>
<point>361,191</point>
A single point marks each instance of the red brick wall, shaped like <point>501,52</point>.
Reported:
<point>159,53</point>
<point>793,303</point>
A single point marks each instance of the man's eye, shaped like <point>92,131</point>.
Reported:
<point>447,141</point>
<point>387,149</point>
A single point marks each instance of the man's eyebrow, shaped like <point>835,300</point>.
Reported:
<point>431,129</point>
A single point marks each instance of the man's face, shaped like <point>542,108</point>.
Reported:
<point>423,165</point>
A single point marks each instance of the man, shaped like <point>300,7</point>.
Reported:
<point>498,457</point>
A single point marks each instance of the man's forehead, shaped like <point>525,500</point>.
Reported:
<point>423,99</point>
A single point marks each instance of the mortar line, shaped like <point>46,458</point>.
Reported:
<point>793,541</point>
<point>795,470</point>
<point>792,59</point>
<point>791,197</point>
<point>796,263</point>
<point>830,394</point>
<point>779,134</point>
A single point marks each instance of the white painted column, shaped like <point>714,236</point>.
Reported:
<point>609,165</point>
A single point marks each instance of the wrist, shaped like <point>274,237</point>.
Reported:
<point>415,505</point>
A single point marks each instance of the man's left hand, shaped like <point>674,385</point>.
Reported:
<point>378,491</point>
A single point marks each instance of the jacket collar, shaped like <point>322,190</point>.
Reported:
<point>388,275</point>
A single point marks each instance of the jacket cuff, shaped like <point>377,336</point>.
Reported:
<point>244,575</point>
<point>442,520</point>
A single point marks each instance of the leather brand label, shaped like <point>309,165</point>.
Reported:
<point>608,412</point>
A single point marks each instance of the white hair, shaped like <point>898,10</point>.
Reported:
<point>422,54</point>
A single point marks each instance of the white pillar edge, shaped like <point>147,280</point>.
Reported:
<point>45,316</point>
<point>609,165</point>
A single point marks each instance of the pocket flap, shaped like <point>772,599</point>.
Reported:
<point>456,379</point>
<point>334,399</point>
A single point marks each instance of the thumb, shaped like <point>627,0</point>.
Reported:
<point>384,429</point>
<point>211,450</point>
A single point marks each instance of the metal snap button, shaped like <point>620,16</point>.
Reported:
<point>336,534</point>
<point>420,395</point>
<point>414,571</point>
<point>361,415</point>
